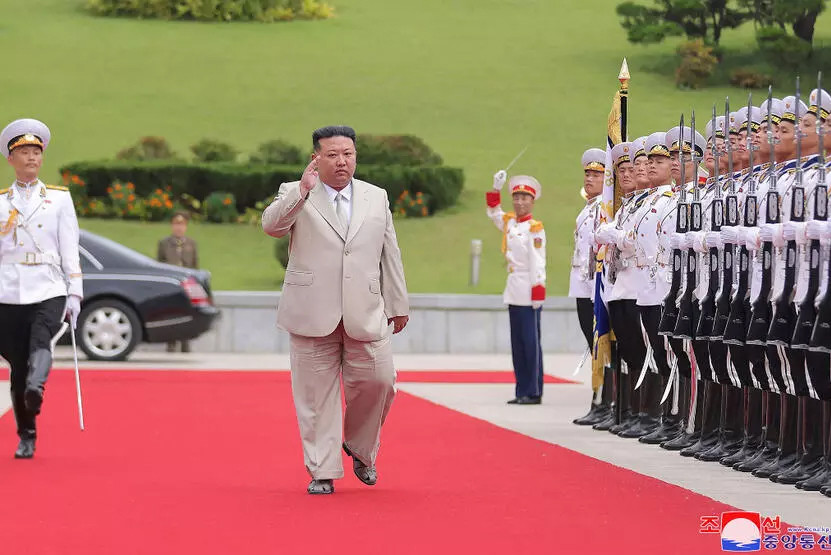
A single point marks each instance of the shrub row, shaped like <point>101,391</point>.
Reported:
<point>250,184</point>
<point>214,10</point>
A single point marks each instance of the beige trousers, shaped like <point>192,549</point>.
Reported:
<point>317,364</point>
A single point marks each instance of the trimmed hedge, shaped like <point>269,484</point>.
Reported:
<point>250,184</point>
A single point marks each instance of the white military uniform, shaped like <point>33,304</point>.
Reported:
<point>581,278</point>
<point>38,244</point>
<point>523,244</point>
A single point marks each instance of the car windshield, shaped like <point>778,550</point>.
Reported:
<point>111,254</point>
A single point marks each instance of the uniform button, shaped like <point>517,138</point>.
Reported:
<point>40,225</point>
<point>21,243</point>
<point>347,276</point>
<point>347,252</point>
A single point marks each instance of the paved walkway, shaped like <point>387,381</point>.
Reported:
<point>550,422</point>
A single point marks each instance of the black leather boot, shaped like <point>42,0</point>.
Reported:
<point>597,413</point>
<point>691,411</point>
<point>26,430</point>
<point>611,382</point>
<point>769,444</point>
<point>823,474</point>
<point>709,420</point>
<point>670,422</point>
<point>730,426</point>
<point>752,399</point>
<point>40,362</point>
<point>786,451</point>
<point>810,450</point>
<point>650,407</point>
<point>628,412</point>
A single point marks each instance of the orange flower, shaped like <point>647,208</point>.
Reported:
<point>423,210</point>
<point>118,186</point>
<point>158,191</point>
<point>168,204</point>
<point>65,176</point>
<point>130,207</point>
<point>75,179</point>
<point>131,197</point>
<point>169,188</point>
<point>226,202</point>
<point>131,186</point>
<point>81,183</point>
<point>418,201</point>
<point>109,190</point>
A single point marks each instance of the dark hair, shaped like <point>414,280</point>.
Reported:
<point>332,131</point>
<point>179,213</point>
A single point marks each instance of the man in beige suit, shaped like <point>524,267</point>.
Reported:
<point>344,287</point>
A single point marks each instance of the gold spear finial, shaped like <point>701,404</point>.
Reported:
<point>624,76</point>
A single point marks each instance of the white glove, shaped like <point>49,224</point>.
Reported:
<point>814,229</point>
<point>794,231</point>
<point>676,241</point>
<point>751,238</point>
<point>697,242</point>
<point>499,179</point>
<point>729,234</point>
<point>771,233</point>
<point>536,304</point>
<point>825,234</point>
<point>605,234</point>
<point>713,240</point>
<point>625,242</point>
<point>73,309</point>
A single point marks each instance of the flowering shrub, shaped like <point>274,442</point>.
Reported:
<point>411,206</point>
<point>158,206</point>
<point>220,207</point>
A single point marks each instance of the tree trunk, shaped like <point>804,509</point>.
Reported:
<point>803,27</point>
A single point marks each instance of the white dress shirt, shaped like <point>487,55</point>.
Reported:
<point>347,199</point>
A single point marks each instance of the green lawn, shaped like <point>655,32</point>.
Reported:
<point>477,79</point>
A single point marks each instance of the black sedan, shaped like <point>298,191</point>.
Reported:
<point>130,298</point>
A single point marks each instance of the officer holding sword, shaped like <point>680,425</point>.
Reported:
<point>40,273</point>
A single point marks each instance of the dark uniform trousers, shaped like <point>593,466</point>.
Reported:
<point>651,318</point>
<point>585,315</point>
<point>625,320</point>
<point>26,332</point>
<point>526,349</point>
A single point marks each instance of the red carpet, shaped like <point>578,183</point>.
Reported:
<point>210,463</point>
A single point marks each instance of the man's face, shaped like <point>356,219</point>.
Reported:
<point>808,126</point>
<point>710,161</point>
<point>336,162</point>
<point>675,168</point>
<point>739,143</point>
<point>641,169</point>
<point>626,176</point>
<point>786,149</point>
<point>179,227</point>
<point>660,170</point>
<point>523,204</point>
<point>592,183</point>
<point>26,161</point>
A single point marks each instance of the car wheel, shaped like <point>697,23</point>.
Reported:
<point>108,330</point>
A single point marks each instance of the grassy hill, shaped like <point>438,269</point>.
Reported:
<point>477,79</point>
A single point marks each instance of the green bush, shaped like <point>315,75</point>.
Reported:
<point>404,150</point>
<point>250,184</point>
<point>781,49</point>
<point>147,148</point>
<point>277,152</point>
<point>210,150</point>
<point>281,250</point>
<point>220,208</point>
<point>411,206</point>
<point>750,79</point>
<point>214,10</point>
<point>697,64</point>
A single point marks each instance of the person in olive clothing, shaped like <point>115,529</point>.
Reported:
<point>179,250</point>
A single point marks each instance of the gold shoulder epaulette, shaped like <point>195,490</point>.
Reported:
<point>57,187</point>
<point>536,226</point>
<point>508,216</point>
<point>667,193</point>
<point>4,191</point>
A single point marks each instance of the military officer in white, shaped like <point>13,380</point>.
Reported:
<point>523,244</point>
<point>40,273</point>
<point>581,279</point>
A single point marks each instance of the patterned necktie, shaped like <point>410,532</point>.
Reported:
<point>340,211</point>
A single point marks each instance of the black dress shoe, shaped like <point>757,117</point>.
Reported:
<point>25,449</point>
<point>366,474</point>
<point>321,487</point>
<point>529,401</point>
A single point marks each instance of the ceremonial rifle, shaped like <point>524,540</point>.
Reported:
<point>685,326</point>
<point>669,314</point>
<point>782,323</point>
<point>708,303</point>
<point>736,331</point>
<point>731,218</point>
<point>807,312</point>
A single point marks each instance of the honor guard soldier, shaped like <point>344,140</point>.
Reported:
<point>523,244</point>
<point>621,293</point>
<point>581,280</point>
<point>40,273</point>
<point>180,250</point>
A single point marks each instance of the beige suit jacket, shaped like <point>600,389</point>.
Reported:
<point>357,277</point>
